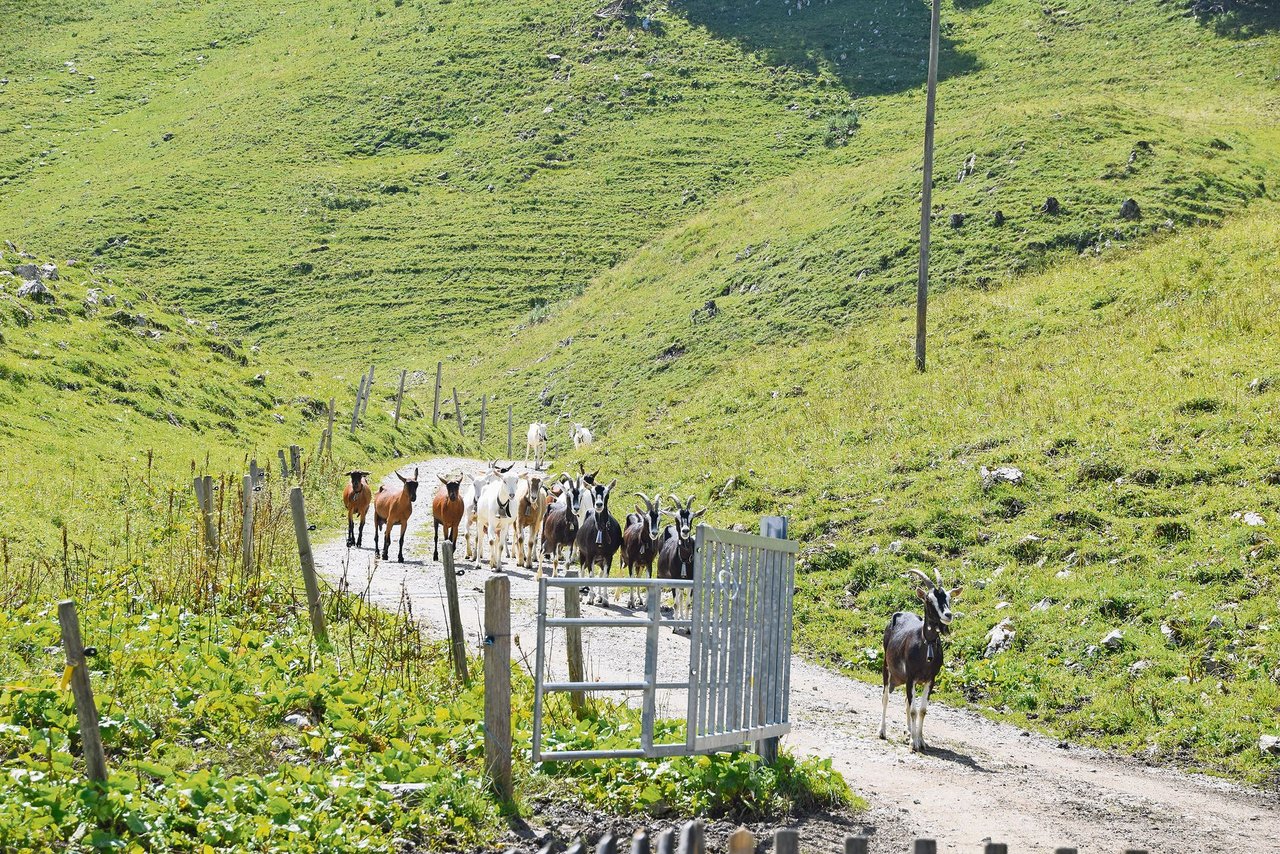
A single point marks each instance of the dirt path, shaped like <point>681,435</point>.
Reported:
<point>982,779</point>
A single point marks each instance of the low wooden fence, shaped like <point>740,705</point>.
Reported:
<point>691,839</point>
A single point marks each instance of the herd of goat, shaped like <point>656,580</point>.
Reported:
<point>545,519</point>
<point>568,518</point>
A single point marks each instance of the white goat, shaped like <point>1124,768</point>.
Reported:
<point>495,513</point>
<point>582,436</point>
<point>536,446</point>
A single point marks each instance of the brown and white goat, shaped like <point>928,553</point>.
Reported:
<point>356,496</point>
<point>447,508</point>
<point>394,507</point>
<point>640,539</point>
<point>531,506</point>
<point>913,653</point>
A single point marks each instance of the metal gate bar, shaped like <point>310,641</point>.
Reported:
<point>651,622</point>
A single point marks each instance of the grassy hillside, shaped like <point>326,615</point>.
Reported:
<point>1138,395</point>
<point>378,178</point>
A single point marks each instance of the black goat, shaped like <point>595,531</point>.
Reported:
<point>675,555</point>
<point>913,654</point>
<point>640,541</point>
<point>599,538</point>
<point>560,525</point>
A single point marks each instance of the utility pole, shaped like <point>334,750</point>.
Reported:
<point>926,196</point>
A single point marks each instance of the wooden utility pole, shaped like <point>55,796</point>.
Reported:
<point>497,684</point>
<point>399,398</point>
<point>435,408</point>
<point>86,710</point>
<point>926,196</point>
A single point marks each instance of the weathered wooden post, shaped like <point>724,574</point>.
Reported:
<point>573,643</point>
<point>307,560</point>
<point>395,422</point>
<point>855,845</point>
<point>204,499</point>
<point>484,414</point>
<point>608,844</point>
<point>639,841</point>
<point>742,841</point>
<point>355,410</point>
<point>368,392</point>
<point>786,840</point>
<point>509,440</point>
<point>284,467</point>
<point>255,473</point>
<point>333,410</point>
<point>435,407</point>
<point>497,684</point>
<point>924,846</point>
<point>78,674</point>
<point>1063,850</point>
<point>246,526</point>
<point>295,460</point>
<point>667,841</point>
<point>457,644</point>
<point>457,410</point>
<point>691,839</point>
<point>1002,848</point>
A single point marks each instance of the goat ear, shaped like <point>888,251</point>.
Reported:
<point>611,485</point>
<point>415,472</point>
<point>700,513</point>
<point>954,593</point>
<point>440,477</point>
<point>402,478</point>
<point>922,594</point>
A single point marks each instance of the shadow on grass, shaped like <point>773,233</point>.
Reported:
<point>1238,19</point>
<point>873,48</point>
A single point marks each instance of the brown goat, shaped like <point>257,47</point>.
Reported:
<point>394,507</point>
<point>531,507</point>
<point>447,509</point>
<point>356,496</point>
<point>913,654</point>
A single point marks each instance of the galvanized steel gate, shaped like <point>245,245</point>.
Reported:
<point>739,648</point>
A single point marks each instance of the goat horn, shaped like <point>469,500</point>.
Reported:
<point>938,575</point>
<point>676,499</point>
<point>922,575</point>
<point>689,504</point>
<point>645,499</point>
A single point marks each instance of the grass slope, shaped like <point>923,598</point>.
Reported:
<point>1138,394</point>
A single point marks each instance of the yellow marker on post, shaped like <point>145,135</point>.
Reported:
<point>66,676</point>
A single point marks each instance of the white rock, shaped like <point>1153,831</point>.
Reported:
<point>1167,630</point>
<point>1000,638</point>
<point>1042,605</point>
<point>1114,639</point>
<point>299,720</point>
<point>896,547</point>
<point>1250,518</point>
<point>1269,744</point>
<point>1000,474</point>
<point>1063,573</point>
<point>1139,666</point>
<point>1000,606</point>
<point>1215,622</point>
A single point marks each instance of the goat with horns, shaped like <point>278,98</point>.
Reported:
<point>913,653</point>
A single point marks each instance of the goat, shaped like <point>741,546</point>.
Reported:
<point>560,525</point>
<point>470,497</point>
<point>913,654</point>
<point>676,554</point>
<point>531,505</point>
<point>582,436</point>
<point>394,507</point>
<point>447,508</point>
<point>494,513</point>
<point>599,538</point>
<point>536,446</point>
<point>640,539</point>
<point>356,496</point>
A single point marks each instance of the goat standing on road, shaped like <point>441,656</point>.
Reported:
<point>394,507</point>
<point>913,654</point>
<point>531,506</point>
<point>560,525</point>
<point>675,555</point>
<point>599,538</point>
<point>447,508</point>
<point>494,511</point>
<point>356,497</point>
<point>640,541</point>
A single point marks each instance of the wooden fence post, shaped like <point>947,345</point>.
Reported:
<point>786,840</point>
<point>435,407</point>
<point>284,467</point>
<point>639,841</point>
<point>484,414</point>
<point>608,844</point>
<point>300,531</point>
<point>667,841</point>
<point>742,841</point>
<point>246,526</point>
<point>333,410</point>
<point>295,460</point>
<point>457,410</point>
<point>1002,848</point>
<point>855,845</point>
<point>204,498</point>
<point>86,709</point>
<point>395,422</point>
<point>497,684</point>
<point>457,644</point>
<point>355,410</point>
<point>691,839</point>
<point>924,846</point>
<point>573,643</point>
<point>509,435</point>
<point>255,473</point>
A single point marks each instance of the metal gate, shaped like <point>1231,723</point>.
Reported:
<point>739,673</point>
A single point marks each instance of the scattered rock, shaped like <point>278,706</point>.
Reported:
<point>738,526</point>
<point>1042,605</point>
<point>1215,622</point>
<point>1000,638</point>
<point>1051,206</point>
<point>896,547</point>
<point>1114,639</point>
<point>554,57</point>
<point>1269,745</point>
<point>166,136</point>
<point>258,380</point>
<point>1000,474</point>
<point>1129,209</point>
<point>49,271</point>
<point>27,271</point>
<point>1138,666</point>
<point>35,290</point>
<point>1250,518</point>
<point>301,720</point>
<point>1169,632</point>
